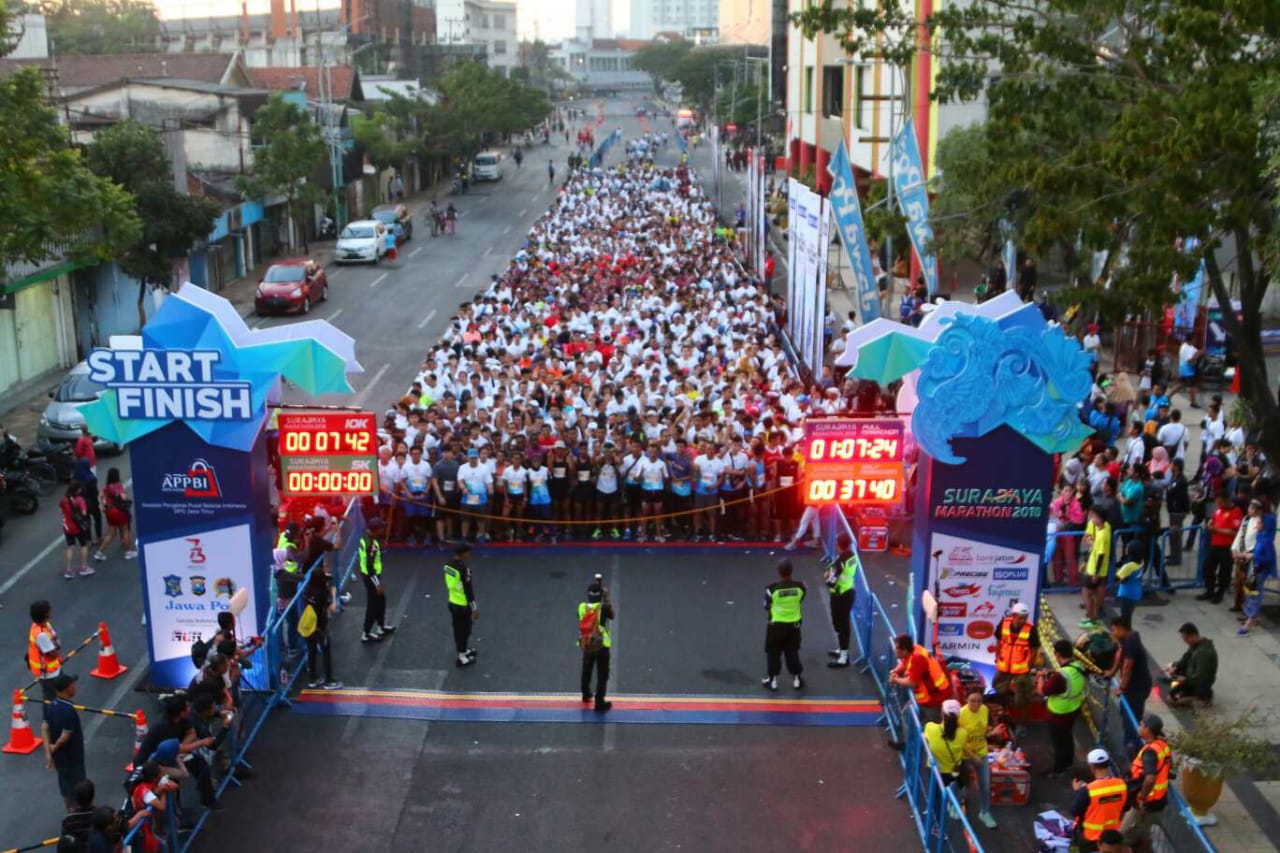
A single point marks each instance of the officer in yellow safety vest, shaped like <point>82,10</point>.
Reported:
<point>1064,692</point>
<point>1150,772</point>
<point>44,652</point>
<point>1099,803</point>
<point>369,564</point>
<point>783,600</point>
<point>291,535</point>
<point>1016,644</point>
<point>463,609</point>
<point>839,580</point>
<point>596,642</point>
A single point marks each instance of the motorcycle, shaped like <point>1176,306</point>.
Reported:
<point>17,495</point>
<point>43,468</point>
<point>328,229</point>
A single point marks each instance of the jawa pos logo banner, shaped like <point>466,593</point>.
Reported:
<point>199,481</point>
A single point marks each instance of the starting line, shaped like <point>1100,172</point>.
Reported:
<point>436,705</point>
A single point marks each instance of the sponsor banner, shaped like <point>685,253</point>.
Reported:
<point>806,286</point>
<point>853,234</point>
<point>189,580</point>
<point>976,582</point>
<point>913,199</point>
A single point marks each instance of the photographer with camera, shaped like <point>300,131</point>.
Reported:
<point>594,639</point>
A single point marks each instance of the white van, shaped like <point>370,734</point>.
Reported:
<point>487,166</point>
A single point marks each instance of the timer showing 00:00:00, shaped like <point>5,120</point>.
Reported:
<point>328,482</point>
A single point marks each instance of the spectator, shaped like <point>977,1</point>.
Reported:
<point>1224,525</point>
<point>975,720</point>
<point>1191,677</point>
<point>1130,666</point>
<point>119,517</point>
<point>1263,570</point>
<point>318,594</point>
<point>151,792</point>
<point>64,739</point>
<point>1093,588</point>
<point>1129,580</point>
<point>947,742</point>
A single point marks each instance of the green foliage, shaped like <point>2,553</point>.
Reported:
<point>1121,125</point>
<point>660,59</point>
<point>132,155</point>
<point>743,105</point>
<point>1219,745</point>
<point>697,72</point>
<point>49,199</point>
<point>969,197</point>
<point>476,100</point>
<point>291,154</point>
<point>101,26</point>
<point>381,139</point>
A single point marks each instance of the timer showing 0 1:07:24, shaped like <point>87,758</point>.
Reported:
<point>851,449</point>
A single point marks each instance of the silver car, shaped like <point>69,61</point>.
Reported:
<point>62,418</point>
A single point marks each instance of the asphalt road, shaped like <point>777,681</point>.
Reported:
<point>395,311</point>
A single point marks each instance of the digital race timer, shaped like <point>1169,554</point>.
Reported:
<point>853,462</point>
<point>328,453</point>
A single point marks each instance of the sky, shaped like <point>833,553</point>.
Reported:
<point>552,20</point>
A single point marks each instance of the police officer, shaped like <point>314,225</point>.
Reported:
<point>839,580</point>
<point>1150,773</point>
<point>462,602</point>
<point>596,651</point>
<point>369,562</point>
<point>1098,804</point>
<point>782,601</point>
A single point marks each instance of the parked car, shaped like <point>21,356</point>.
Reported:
<point>487,166</point>
<point>388,214</point>
<point>61,421</point>
<point>291,286</point>
<point>362,241</point>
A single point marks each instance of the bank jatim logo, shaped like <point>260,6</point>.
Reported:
<point>199,481</point>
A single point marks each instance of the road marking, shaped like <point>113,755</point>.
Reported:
<point>371,674</point>
<point>118,696</point>
<point>47,550</point>
<point>506,230</point>
<point>487,251</point>
<point>427,319</point>
<point>374,283</point>
<point>334,315</point>
<point>523,212</point>
<point>461,280</point>
<point>615,593</point>
<point>364,392</point>
<point>415,252</point>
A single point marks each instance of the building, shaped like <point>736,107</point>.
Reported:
<point>830,96</point>
<point>77,73</point>
<point>603,65</point>
<point>492,23</point>
<point>342,81</point>
<point>692,19</point>
<point>745,21</point>
<point>593,19</point>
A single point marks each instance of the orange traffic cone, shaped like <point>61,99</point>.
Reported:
<point>22,740</point>
<point>139,732</point>
<point>108,664</point>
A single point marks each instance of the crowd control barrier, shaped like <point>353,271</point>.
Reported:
<point>1112,724</point>
<point>936,812</point>
<point>276,665</point>
<point>1167,566</point>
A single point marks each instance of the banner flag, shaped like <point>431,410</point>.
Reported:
<point>913,199</point>
<point>853,233</point>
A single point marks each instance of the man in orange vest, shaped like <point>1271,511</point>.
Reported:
<point>1099,804</point>
<point>1150,769</point>
<point>920,672</point>
<point>44,653</point>
<point>1016,646</point>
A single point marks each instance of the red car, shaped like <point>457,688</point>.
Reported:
<point>290,287</point>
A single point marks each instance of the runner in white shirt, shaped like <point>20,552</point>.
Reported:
<point>476,483</point>
<point>708,470</point>
<point>653,480</point>
<point>515,481</point>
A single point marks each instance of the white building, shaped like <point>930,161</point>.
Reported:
<point>603,65</point>
<point>593,19</point>
<point>493,24</point>
<point>693,19</point>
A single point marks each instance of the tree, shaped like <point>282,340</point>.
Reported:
<point>697,72</point>
<point>477,101</point>
<point>1124,126</point>
<point>290,154</point>
<point>51,204</point>
<point>660,59</point>
<point>101,26</point>
<point>132,155</point>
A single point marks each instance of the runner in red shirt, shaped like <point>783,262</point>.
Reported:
<point>75,529</point>
<point>84,448</point>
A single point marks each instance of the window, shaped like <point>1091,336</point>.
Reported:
<point>484,22</point>
<point>499,22</point>
<point>833,90</point>
<point>499,47</point>
<point>807,96</point>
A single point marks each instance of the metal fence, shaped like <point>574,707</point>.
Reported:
<point>275,668</point>
<point>938,815</point>
<point>1173,559</point>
